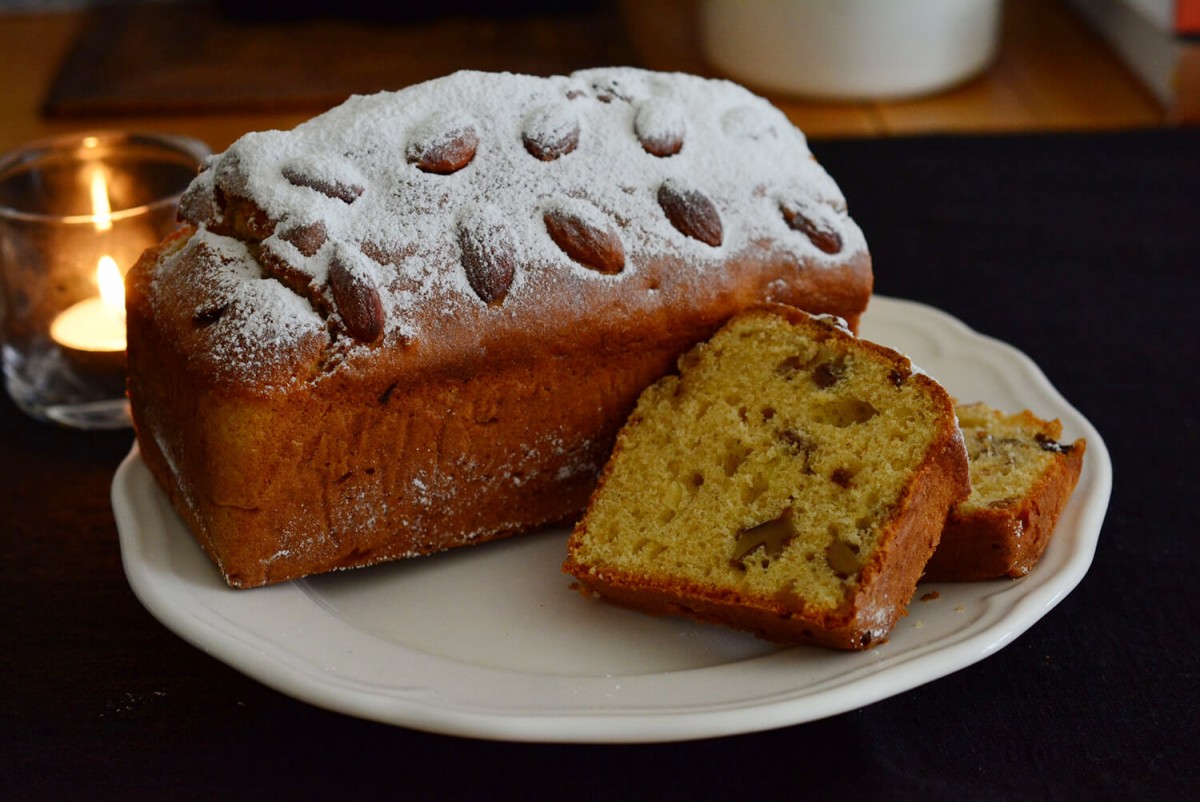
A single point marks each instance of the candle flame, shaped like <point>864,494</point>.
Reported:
<point>101,207</point>
<point>112,285</point>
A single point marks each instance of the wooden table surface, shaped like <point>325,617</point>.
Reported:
<point>1052,73</point>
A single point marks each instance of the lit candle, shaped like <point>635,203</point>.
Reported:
<point>96,324</point>
<point>101,207</point>
<point>78,210</point>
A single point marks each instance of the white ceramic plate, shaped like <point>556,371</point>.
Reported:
<point>492,642</point>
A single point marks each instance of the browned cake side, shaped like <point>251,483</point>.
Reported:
<point>791,480</point>
<point>418,321</point>
<point>1022,477</point>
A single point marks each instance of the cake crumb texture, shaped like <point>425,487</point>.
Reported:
<point>790,479</point>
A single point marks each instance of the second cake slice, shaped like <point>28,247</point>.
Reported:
<point>791,480</point>
<point>1021,480</point>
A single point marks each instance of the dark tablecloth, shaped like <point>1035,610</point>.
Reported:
<point>1082,250</point>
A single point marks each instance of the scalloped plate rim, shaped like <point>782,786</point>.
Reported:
<point>532,706</point>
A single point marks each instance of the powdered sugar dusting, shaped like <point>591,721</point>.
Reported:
<point>350,170</point>
<point>249,317</point>
<point>554,123</point>
<point>661,121</point>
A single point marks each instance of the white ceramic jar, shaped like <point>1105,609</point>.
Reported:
<point>850,49</point>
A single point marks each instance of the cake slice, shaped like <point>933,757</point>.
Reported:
<point>791,480</point>
<point>1021,479</point>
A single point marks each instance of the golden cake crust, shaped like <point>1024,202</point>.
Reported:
<point>354,351</point>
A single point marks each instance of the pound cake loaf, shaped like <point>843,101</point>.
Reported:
<point>418,320</point>
<point>790,480</point>
<point>1021,479</point>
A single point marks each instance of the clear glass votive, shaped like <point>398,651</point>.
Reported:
<point>76,211</point>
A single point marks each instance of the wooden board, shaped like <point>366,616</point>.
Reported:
<point>191,59</point>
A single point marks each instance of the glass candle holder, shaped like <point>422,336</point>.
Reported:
<point>76,212</point>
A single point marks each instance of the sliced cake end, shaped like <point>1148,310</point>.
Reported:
<point>1021,479</point>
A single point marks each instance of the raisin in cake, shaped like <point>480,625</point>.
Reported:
<point>418,320</point>
<point>1021,479</point>
<point>791,480</point>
